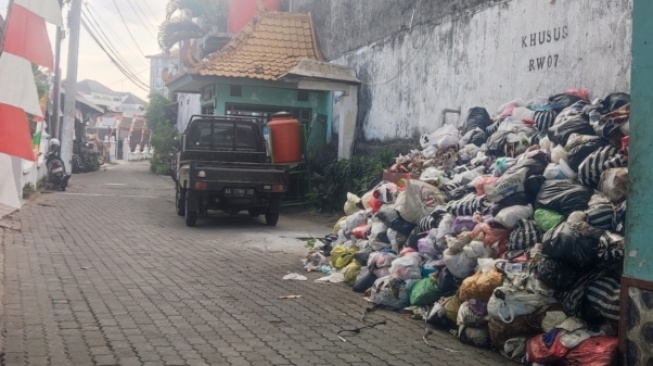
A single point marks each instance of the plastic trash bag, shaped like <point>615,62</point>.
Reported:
<point>501,165</point>
<point>614,184</point>
<point>547,219</point>
<point>611,247</point>
<point>342,255</point>
<point>463,223</point>
<point>567,244</point>
<point>426,247</point>
<point>578,154</point>
<point>477,137</point>
<point>596,351</point>
<point>506,303</point>
<point>517,199</point>
<point>477,117</point>
<point>514,349</point>
<point>379,263</point>
<point>540,353</point>
<point>351,206</point>
<point>481,182</point>
<point>613,102</point>
<point>559,102</point>
<point>402,226</point>
<point>466,206</point>
<point>509,216</point>
<point>534,161</point>
<point>523,326</point>
<point>460,264</point>
<point>351,272</point>
<point>557,275</point>
<point>602,299</point>
<point>600,212</point>
<point>407,267</point>
<point>560,133</point>
<point>559,171</point>
<point>481,285</point>
<point>496,143</point>
<point>476,336</point>
<point>418,200</point>
<point>576,140</point>
<point>544,119</point>
<point>590,170</point>
<point>357,219</point>
<point>510,183</point>
<point>467,316</point>
<point>424,292</point>
<point>564,196</point>
<point>392,292</point>
<point>524,235</point>
<point>468,152</point>
<point>493,234</point>
<point>444,137</point>
<point>364,280</point>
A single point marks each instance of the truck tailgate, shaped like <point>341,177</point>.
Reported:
<point>241,173</point>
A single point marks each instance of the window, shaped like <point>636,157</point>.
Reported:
<point>263,113</point>
<point>220,135</point>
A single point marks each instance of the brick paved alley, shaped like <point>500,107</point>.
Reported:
<point>107,274</point>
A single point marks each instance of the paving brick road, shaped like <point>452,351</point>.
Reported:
<point>107,274</point>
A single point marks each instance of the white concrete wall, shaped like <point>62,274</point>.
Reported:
<point>189,104</point>
<point>486,57</point>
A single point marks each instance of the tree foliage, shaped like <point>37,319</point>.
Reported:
<point>191,19</point>
<point>162,124</point>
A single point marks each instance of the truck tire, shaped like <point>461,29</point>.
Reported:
<point>190,215</point>
<point>180,201</point>
<point>271,219</point>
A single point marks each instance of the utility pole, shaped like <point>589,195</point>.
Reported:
<point>68,127</point>
<point>56,102</point>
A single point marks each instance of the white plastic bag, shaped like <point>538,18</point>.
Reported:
<point>558,154</point>
<point>418,200</point>
<point>507,303</point>
<point>350,206</point>
<point>509,216</point>
<point>444,137</point>
<point>379,263</point>
<point>559,171</point>
<point>392,292</point>
<point>357,219</point>
<point>506,186</point>
<point>614,184</point>
<point>407,267</point>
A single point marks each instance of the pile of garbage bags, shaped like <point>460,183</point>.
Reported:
<point>508,229</point>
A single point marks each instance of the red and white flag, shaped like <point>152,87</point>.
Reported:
<point>27,37</point>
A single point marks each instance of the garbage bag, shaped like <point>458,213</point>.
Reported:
<point>351,272</point>
<point>351,206</point>
<point>452,306</point>
<point>601,299</point>
<point>463,223</point>
<point>492,233</point>
<point>477,117</point>
<point>559,102</point>
<point>387,215</point>
<point>466,206</point>
<point>564,196</point>
<point>402,226</point>
<point>600,212</point>
<point>506,303</point>
<point>614,184</point>
<point>557,275</point>
<point>460,264</point>
<point>467,316</point>
<point>357,219</point>
<point>578,123</point>
<point>414,237</point>
<point>424,292</point>
<point>565,243</point>
<point>475,136</point>
<point>540,353</point>
<point>547,219</point>
<point>481,285</point>
<point>578,154</point>
<point>443,138</point>
<point>522,326</point>
<point>360,232</point>
<point>544,119</point>
<point>524,235</point>
<point>511,215</point>
<point>496,143</point>
<point>392,292</point>
<point>418,200</point>
<point>611,247</point>
<point>619,219</point>
<point>560,171</point>
<point>407,267</point>
<point>501,165</point>
<point>596,351</point>
<point>535,162</point>
<point>341,255</point>
<point>447,283</point>
<point>576,140</point>
<point>379,263</point>
<point>515,349</point>
<point>613,102</point>
<point>364,280</point>
<point>590,170</point>
<point>510,183</point>
<point>476,336</point>
<point>517,199</point>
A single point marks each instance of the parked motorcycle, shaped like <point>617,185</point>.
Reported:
<point>86,160</point>
<point>57,177</point>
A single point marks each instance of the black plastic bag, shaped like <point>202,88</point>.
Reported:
<point>564,196</point>
<point>365,283</point>
<point>524,235</point>
<point>402,226</point>
<point>477,117</point>
<point>496,143</point>
<point>590,170</point>
<point>363,255</point>
<point>414,236</point>
<point>578,124</point>
<point>619,219</point>
<point>578,154</point>
<point>476,136</point>
<point>517,199</point>
<point>565,243</point>
<point>447,283</point>
<point>559,102</point>
<point>535,162</point>
<point>544,119</point>
<point>613,102</point>
<point>533,185</point>
<point>557,275</point>
<point>387,216</point>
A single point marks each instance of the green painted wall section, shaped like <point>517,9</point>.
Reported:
<point>318,102</point>
<point>639,222</point>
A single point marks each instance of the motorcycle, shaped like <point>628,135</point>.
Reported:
<point>86,160</point>
<point>57,177</point>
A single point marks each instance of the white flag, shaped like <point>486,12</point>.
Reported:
<point>46,9</point>
<point>8,190</point>
<point>18,85</point>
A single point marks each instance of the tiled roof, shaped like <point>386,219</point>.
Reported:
<point>267,48</point>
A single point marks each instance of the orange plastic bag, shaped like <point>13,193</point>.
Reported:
<point>481,285</point>
<point>539,353</point>
<point>360,232</point>
<point>597,351</point>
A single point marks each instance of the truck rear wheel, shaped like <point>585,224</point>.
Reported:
<point>190,215</point>
<point>180,201</point>
<point>271,219</point>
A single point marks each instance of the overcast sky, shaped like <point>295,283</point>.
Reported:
<point>141,18</point>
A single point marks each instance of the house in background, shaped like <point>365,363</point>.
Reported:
<point>132,105</point>
<point>99,94</point>
<point>162,66</point>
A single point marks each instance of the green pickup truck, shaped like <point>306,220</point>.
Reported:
<point>224,164</point>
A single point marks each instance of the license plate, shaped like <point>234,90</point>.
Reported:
<point>238,192</point>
